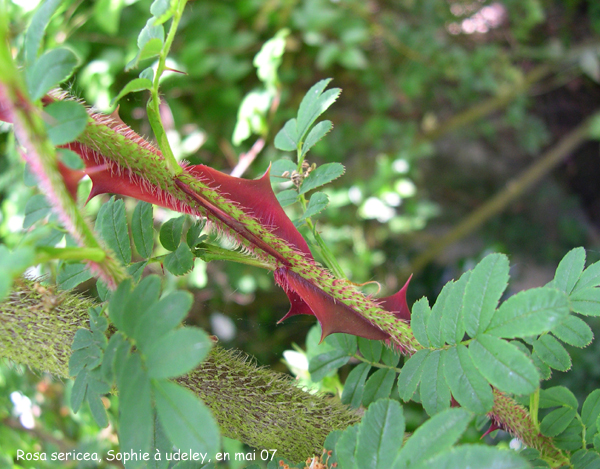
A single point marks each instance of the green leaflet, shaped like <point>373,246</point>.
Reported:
<point>557,421</point>
<point>48,70</point>
<point>354,386</point>
<point>65,121</point>
<point>322,175</point>
<point>435,393</point>
<point>37,207</point>
<point>170,233</point>
<point>321,365</point>
<point>142,229</point>
<point>420,315</point>
<point>111,223</point>
<point>452,325</point>
<point>552,353</point>
<point>569,270</point>
<point>472,456</point>
<point>370,349</point>
<point>574,331</point>
<point>410,376</point>
<point>378,386</point>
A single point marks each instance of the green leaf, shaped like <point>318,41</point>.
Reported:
<point>345,342</point>
<point>118,301</point>
<point>435,393</point>
<point>552,353</point>
<point>286,139</point>
<point>52,68</point>
<point>186,421</point>
<point>314,103</point>
<point>419,319</point>
<point>354,386</point>
<point>436,435</point>
<point>584,459</point>
<point>323,364</point>
<point>504,365</point>
<point>451,323</point>
<point>97,409</point>
<point>111,223</point>
<point>37,207</point>
<point>162,10</point>
<point>139,300</point>
<point>590,413</point>
<point>379,435</point>
<point>557,396</point>
<point>279,167</point>
<point>79,390</point>
<point>82,339</point>
<point>410,376</point>
<point>150,43</point>
<point>35,31</point>
<point>71,275</point>
<point>316,134</point>
<point>65,121</point>
<point>589,278</point>
<point>192,237</point>
<point>586,301</point>
<point>177,352</point>
<point>181,261</point>
<point>346,447</point>
<point>570,439</point>
<point>557,421</point>
<point>142,229</point>
<point>70,159</point>
<point>115,342</point>
<point>137,84</point>
<point>529,313</point>
<point>378,386</point>
<point>486,284</point>
<point>370,349</point>
<point>323,174</point>
<point>468,386</point>
<point>287,197</point>
<point>135,407</point>
<point>161,318</point>
<point>569,270</point>
<point>170,233</point>
<point>390,357</point>
<point>317,203</point>
<point>136,270</point>
<point>574,331</point>
<point>107,14</point>
<point>434,323</point>
<point>475,456</point>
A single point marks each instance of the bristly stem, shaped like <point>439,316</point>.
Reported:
<point>154,103</point>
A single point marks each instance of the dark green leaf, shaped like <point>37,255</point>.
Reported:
<point>569,270</point>
<point>379,435</point>
<point>287,197</point>
<point>71,275</point>
<point>552,353</point>
<point>111,222</point>
<point>181,261</point>
<point>161,318</point>
<point>419,319</point>
<point>79,390</point>
<point>589,278</point>
<point>142,229</point>
<point>486,284</point>
<point>557,421</point>
<point>354,386</point>
<point>170,233</point>
<point>97,409</point>
<point>528,313</point>
<point>286,139</point>
<point>329,445</point>
<point>35,31</point>
<point>136,270</point>
<point>543,369</point>
<point>558,396</point>
<point>52,68</point>
<point>322,175</point>
<point>468,387</point>
<point>435,393</point>
<point>570,439</point>
<point>475,456</point>
<point>82,339</point>
<point>590,413</point>
<point>584,459</point>
<point>135,407</point>
<point>37,207</point>
<point>186,421</point>
<point>436,435</point>
<point>346,447</point>
<point>314,103</point>
<point>316,134</point>
<point>345,342</point>
<point>452,325</point>
<point>410,376</point>
<point>118,302</point>
<point>192,236</point>
<point>177,352</point>
<point>317,203</point>
<point>574,331</point>
<point>65,121</point>
<point>390,357</point>
<point>378,386</point>
<point>116,341</point>
<point>586,301</point>
<point>370,349</point>
<point>139,300</point>
<point>504,365</point>
<point>323,364</point>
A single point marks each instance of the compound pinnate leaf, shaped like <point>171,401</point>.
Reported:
<point>323,364</point>
<point>186,421</point>
<point>486,284</point>
<point>557,396</point>
<point>322,175</point>
<point>50,69</point>
<point>435,393</point>
<point>380,435</point>
<point>111,223</point>
<point>177,352</point>
<point>410,376</point>
<point>170,233</point>
<point>472,456</point>
<point>504,365</point>
<point>436,435</point>
<point>468,386</point>
<point>354,386</point>
<point>378,386</point>
<point>142,229</point>
<point>419,319</point>
<point>529,313</point>
<point>37,207</point>
<point>586,301</point>
<point>316,134</point>
<point>552,353</point>
<point>557,421</point>
<point>574,331</point>
<point>65,121</point>
<point>569,270</point>
<point>180,261</point>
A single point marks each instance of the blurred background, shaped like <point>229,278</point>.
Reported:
<point>465,127</point>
